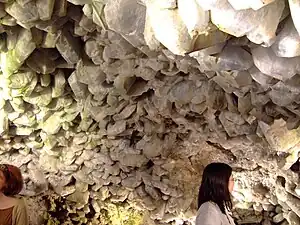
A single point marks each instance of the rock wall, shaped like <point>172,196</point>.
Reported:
<point>114,107</point>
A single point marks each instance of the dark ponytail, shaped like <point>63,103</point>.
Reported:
<point>214,186</point>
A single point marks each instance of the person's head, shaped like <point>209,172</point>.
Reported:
<point>216,186</point>
<point>11,180</point>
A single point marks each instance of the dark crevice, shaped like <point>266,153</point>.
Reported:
<point>134,138</point>
<point>149,164</point>
<point>56,208</point>
<point>223,150</point>
<point>144,96</point>
<point>281,181</point>
<point>295,167</point>
<point>91,214</point>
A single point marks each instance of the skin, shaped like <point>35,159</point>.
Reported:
<point>2,180</point>
<point>5,201</point>
<point>230,184</point>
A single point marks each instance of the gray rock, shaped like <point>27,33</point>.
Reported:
<point>65,191</point>
<point>59,84</point>
<point>234,58</point>
<point>159,213</point>
<point>79,197</point>
<point>233,80</point>
<point>292,218</point>
<point>131,182</point>
<point>69,47</point>
<point>133,160</point>
<point>234,124</point>
<point>244,104</point>
<point>278,218</point>
<point>215,96</point>
<point>151,148</point>
<point>161,186</point>
<point>130,21</point>
<point>81,187</point>
<point>125,113</point>
<point>3,122</point>
<point>231,58</point>
<point>59,181</point>
<point>292,123</point>
<point>148,203</point>
<point>48,163</point>
<point>145,73</point>
<point>119,49</point>
<point>117,128</point>
<point>22,45</point>
<point>282,95</point>
<point>79,89</point>
<point>84,175</point>
<point>23,13</point>
<point>261,78</point>
<point>153,192</point>
<point>89,73</point>
<point>270,64</point>
<point>114,179</point>
<point>45,8</point>
<point>39,180</point>
<point>182,92</point>
<point>95,51</point>
<point>87,24</point>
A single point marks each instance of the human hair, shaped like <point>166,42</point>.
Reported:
<point>214,186</point>
<point>13,180</point>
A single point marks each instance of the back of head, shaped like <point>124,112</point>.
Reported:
<point>13,180</point>
<point>214,186</point>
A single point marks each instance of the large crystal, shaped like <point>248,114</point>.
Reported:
<point>249,22</point>
<point>130,21</point>
<point>194,17</point>
<point>231,58</point>
<point>295,11</point>
<point>287,43</point>
<point>247,4</point>
<point>69,47</point>
<point>170,29</point>
<point>268,63</point>
<point>23,13</point>
<point>14,58</point>
<point>45,8</point>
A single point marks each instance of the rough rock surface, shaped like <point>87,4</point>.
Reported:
<point>113,108</point>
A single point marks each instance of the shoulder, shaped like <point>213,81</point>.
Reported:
<point>20,205</point>
<point>208,214</point>
<point>20,214</point>
<point>208,207</point>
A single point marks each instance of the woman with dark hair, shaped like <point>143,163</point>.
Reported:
<point>12,210</point>
<point>214,202</point>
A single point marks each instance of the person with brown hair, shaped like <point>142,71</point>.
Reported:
<point>13,210</point>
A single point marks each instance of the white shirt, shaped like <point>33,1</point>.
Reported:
<point>210,214</point>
